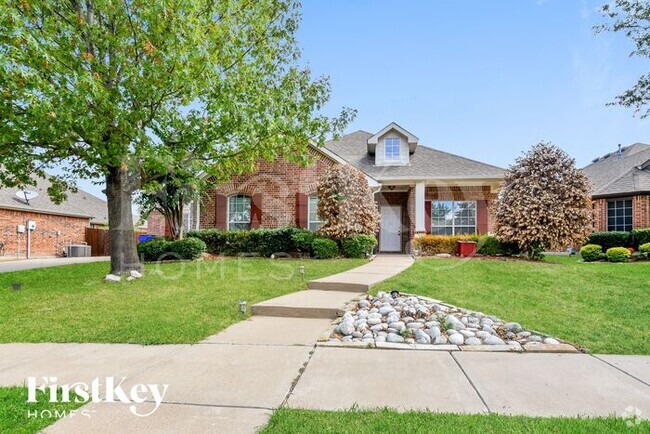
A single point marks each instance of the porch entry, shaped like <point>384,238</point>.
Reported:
<point>390,231</point>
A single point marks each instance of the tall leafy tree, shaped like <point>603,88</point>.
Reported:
<point>544,202</point>
<point>126,89</point>
<point>632,18</point>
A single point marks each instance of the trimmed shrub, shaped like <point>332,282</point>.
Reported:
<point>591,252</point>
<point>154,250</point>
<point>358,246</point>
<point>434,244</point>
<point>618,254</point>
<point>263,242</point>
<point>607,240</point>
<point>187,248</point>
<point>302,241</point>
<point>644,248</point>
<point>489,245</point>
<point>640,236</point>
<point>324,248</point>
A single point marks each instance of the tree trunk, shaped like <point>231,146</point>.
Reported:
<point>174,218</point>
<point>122,247</point>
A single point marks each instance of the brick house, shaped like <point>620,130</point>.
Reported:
<point>621,188</point>
<point>418,190</point>
<point>56,226</point>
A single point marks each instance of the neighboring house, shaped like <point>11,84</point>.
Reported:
<point>419,190</point>
<point>621,188</point>
<point>56,226</point>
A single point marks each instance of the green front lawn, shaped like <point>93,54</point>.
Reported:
<point>602,306</point>
<point>180,302</point>
<point>19,417</point>
<point>310,421</point>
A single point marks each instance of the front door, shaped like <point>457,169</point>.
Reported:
<point>390,233</point>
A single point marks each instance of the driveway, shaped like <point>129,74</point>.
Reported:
<point>28,264</point>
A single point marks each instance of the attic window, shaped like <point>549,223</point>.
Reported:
<point>391,149</point>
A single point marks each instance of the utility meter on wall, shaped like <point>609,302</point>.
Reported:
<point>31,225</point>
<point>20,229</point>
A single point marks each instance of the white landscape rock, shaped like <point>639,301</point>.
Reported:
<point>411,319</point>
<point>135,274</point>
<point>110,278</point>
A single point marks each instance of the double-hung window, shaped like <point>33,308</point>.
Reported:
<point>391,149</point>
<point>314,220</point>
<point>453,217</point>
<point>619,215</point>
<point>239,212</point>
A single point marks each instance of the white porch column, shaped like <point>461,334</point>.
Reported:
<point>419,209</point>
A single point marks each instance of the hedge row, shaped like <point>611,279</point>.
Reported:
<point>594,252</point>
<point>607,240</point>
<point>160,249</point>
<point>267,242</point>
<point>485,245</point>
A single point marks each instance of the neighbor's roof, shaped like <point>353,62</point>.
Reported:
<point>77,204</point>
<point>627,173</point>
<point>425,163</point>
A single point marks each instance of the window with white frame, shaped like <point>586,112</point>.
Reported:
<point>187,217</point>
<point>314,221</point>
<point>239,212</point>
<point>391,149</point>
<point>449,217</point>
<point>619,215</point>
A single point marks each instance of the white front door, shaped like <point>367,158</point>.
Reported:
<point>390,233</point>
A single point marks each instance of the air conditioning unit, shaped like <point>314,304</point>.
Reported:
<point>77,251</point>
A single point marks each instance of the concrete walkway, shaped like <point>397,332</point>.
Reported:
<point>28,264</point>
<point>232,381</point>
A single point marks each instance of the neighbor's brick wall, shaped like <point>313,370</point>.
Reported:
<point>640,209</point>
<point>156,224</point>
<point>277,182</point>
<point>466,193</point>
<point>44,240</point>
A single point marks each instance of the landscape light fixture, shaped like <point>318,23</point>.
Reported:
<point>302,272</point>
<point>16,286</point>
<point>242,306</point>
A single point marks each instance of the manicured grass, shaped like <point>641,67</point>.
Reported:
<point>601,306</point>
<point>181,302</point>
<point>18,416</point>
<point>353,421</point>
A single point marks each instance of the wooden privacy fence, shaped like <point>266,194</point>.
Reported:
<point>97,239</point>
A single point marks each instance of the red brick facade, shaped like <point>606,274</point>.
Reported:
<point>640,212</point>
<point>274,189</point>
<point>156,224</point>
<point>52,234</point>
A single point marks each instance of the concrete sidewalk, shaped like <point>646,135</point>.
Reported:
<point>28,264</point>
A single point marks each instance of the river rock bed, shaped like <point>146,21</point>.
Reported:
<point>399,318</point>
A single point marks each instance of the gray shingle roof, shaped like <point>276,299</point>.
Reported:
<point>613,175</point>
<point>79,204</point>
<point>425,162</point>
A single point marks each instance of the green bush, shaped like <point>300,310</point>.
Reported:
<point>262,242</point>
<point>644,248</point>
<point>489,245</point>
<point>591,252</point>
<point>618,254</point>
<point>302,240</point>
<point>188,248</point>
<point>154,250</point>
<point>640,236</point>
<point>358,246</point>
<point>325,248</point>
<point>608,240</point>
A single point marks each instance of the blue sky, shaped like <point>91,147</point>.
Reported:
<point>485,80</point>
<point>481,79</point>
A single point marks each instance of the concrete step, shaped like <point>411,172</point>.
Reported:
<point>306,304</point>
<point>338,286</point>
